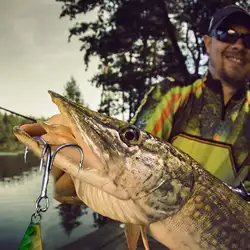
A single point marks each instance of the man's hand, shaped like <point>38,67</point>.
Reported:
<point>64,186</point>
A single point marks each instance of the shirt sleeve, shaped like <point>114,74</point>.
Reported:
<point>156,111</point>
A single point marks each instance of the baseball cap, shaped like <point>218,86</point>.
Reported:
<point>223,14</point>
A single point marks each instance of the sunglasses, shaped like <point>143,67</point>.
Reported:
<point>231,36</point>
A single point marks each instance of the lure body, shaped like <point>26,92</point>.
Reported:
<point>32,238</point>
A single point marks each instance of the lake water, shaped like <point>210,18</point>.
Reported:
<point>20,185</point>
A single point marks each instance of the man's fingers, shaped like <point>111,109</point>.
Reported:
<point>65,186</point>
<point>59,119</point>
<point>37,130</point>
<point>57,140</point>
<point>57,173</point>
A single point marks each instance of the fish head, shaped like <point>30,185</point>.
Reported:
<point>133,160</point>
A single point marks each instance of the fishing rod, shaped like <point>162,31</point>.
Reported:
<point>23,116</point>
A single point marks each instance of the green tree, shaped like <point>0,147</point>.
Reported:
<point>2,130</point>
<point>72,92</point>
<point>141,41</point>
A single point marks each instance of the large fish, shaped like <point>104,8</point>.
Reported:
<point>144,182</point>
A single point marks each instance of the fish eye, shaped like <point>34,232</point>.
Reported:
<point>130,135</point>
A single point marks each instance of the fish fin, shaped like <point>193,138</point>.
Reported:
<point>144,237</point>
<point>132,233</point>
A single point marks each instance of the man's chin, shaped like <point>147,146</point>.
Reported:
<point>233,80</point>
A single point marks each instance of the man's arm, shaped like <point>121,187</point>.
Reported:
<point>156,111</point>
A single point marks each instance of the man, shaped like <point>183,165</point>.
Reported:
<point>207,117</point>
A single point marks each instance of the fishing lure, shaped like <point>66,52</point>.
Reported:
<point>32,239</point>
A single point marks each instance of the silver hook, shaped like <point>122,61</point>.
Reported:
<point>48,166</point>
<point>43,153</point>
<point>68,145</point>
<point>43,194</point>
<point>25,154</point>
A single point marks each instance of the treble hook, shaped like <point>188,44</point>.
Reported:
<point>43,194</point>
<point>48,166</point>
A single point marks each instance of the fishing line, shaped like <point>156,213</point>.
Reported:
<point>17,114</point>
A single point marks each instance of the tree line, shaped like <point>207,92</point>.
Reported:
<point>8,142</point>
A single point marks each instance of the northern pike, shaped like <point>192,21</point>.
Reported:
<point>143,181</point>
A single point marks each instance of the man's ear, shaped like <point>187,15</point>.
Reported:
<point>207,42</point>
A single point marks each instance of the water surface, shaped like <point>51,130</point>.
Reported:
<point>20,185</point>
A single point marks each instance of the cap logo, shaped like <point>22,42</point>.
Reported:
<point>210,24</point>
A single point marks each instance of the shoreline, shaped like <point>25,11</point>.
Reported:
<point>11,153</point>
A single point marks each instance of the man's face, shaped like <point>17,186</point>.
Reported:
<point>229,62</point>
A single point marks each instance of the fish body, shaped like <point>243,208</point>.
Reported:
<point>140,180</point>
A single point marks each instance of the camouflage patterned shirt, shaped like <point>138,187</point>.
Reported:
<point>193,118</point>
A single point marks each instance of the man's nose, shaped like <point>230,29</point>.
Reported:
<point>239,44</point>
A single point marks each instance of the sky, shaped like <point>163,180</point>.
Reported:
<point>35,57</point>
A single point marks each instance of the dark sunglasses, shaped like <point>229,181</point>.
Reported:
<point>231,36</point>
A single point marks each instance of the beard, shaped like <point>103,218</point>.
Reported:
<point>231,78</point>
